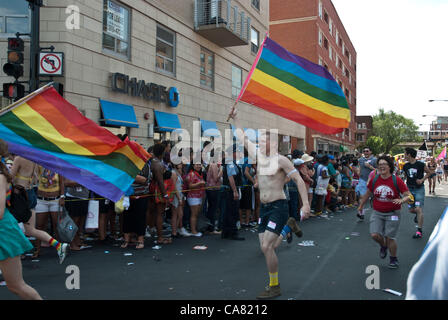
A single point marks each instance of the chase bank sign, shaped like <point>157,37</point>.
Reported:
<point>150,91</point>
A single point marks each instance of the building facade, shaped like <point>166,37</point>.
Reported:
<point>147,67</point>
<point>364,127</point>
<point>312,29</point>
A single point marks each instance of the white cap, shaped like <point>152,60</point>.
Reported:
<point>298,162</point>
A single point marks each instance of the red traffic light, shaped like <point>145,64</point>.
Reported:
<point>13,90</point>
<point>15,44</point>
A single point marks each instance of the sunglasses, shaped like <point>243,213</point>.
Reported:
<point>366,150</point>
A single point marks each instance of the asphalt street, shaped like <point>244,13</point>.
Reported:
<point>334,268</point>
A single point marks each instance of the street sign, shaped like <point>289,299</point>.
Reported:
<point>50,63</point>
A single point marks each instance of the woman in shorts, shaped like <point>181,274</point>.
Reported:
<point>439,172</point>
<point>50,198</point>
<point>386,189</point>
<point>432,166</point>
<point>196,187</point>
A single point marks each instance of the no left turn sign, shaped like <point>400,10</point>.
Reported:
<point>50,63</point>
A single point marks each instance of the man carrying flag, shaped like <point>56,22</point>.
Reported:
<point>294,88</point>
<point>274,206</point>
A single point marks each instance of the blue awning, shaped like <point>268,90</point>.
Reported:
<point>209,128</point>
<point>117,114</point>
<point>251,134</point>
<point>166,122</point>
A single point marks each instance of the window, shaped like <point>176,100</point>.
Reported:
<point>360,137</point>
<point>256,4</point>
<point>116,24</point>
<point>347,95</point>
<point>320,38</point>
<point>325,43</point>
<point>207,69</point>
<point>165,50</point>
<point>331,27</point>
<point>347,73</point>
<point>330,53</point>
<point>364,125</point>
<point>320,61</point>
<point>340,63</point>
<point>320,9</point>
<point>337,37</point>
<point>237,80</point>
<point>14,17</point>
<point>326,17</point>
<point>254,40</point>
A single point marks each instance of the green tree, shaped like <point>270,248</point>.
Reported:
<point>376,144</point>
<point>393,129</point>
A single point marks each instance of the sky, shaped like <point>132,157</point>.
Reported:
<point>402,56</point>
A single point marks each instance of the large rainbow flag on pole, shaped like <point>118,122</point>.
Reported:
<point>45,128</point>
<point>295,88</point>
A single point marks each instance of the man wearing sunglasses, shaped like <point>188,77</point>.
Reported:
<point>367,163</point>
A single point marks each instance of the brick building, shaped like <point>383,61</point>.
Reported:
<point>129,60</point>
<point>312,29</point>
<point>364,127</point>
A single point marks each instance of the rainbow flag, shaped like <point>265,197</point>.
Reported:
<point>296,89</point>
<point>442,154</point>
<point>47,129</point>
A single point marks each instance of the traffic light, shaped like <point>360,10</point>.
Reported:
<point>13,90</point>
<point>14,66</point>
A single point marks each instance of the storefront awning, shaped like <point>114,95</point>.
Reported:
<point>209,128</point>
<point>117,114</point>
<point>166,122</point>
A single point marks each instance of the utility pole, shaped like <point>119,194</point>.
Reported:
<point>35,43</point>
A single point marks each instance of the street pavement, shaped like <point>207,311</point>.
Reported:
<point>333,269</point>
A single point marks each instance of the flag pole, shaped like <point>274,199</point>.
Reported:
<point>254,65</point>
<point>26,98</point>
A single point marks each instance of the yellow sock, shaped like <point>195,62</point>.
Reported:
<point>273,279</point>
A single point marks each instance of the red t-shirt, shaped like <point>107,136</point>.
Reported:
<point>385,192</point>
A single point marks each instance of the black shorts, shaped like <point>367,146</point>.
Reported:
<point>76,207</point>
<point>273,216</point>
<point>246,198</point>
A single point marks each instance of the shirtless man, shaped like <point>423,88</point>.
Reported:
<point>274,206</point>
<point>23,171</point>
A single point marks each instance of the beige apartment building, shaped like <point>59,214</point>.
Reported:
<point>147,67</point>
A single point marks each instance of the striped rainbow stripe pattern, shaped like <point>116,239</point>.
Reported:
<point>296,89</point>
<point>50,131</point>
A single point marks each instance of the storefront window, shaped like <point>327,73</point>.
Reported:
<point>116,23</point>
<point>14,17</point>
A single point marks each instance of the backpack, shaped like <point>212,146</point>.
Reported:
<point>394,179</point>
<point>18,204</point>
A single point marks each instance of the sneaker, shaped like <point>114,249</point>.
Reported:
<point>238,225</point>
<point>292,223</point>
<point>62,252</point>
<point>147,233</point>
<point>270,292</point>
<point>184,232</point>
<point>383,252</point>
<point>199,234</point>
<point>393,264</point>
<point>417,235</point>
<point>360,216</point>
